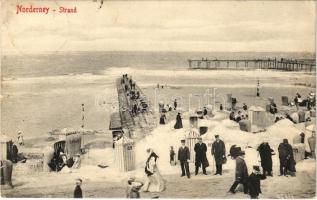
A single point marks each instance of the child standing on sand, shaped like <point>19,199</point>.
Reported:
<point>78,192</point>
<point>133,188</point>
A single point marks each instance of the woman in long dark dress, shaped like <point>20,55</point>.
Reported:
<point>179,123</point>
<point>162,119</point>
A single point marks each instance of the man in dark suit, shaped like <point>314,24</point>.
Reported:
<point>286,156</point>
<point>200,158</point>
<point>218,150</point>
<point>184,157</point>
<point>241,174</point>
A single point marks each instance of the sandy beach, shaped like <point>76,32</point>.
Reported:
<point>54,103</point>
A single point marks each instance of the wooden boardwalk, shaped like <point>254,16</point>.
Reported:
<point>245,64</point>
<point>143,121</point>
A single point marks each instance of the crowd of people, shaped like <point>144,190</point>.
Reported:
<point>137,103</point>
<point>251,183</point>
<point>309,102</point>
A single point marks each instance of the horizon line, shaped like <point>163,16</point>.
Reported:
<point>145,51</point>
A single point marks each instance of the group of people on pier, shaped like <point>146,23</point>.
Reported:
<point>136,102</point>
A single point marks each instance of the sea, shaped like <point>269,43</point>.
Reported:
<point>72,63</point>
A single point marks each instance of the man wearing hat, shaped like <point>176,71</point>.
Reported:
<point>286,156</point>
<point>254,182</point>
<point>184,157</point>
<point>218,150</point>
<point>200,157</point>
<point>241,174</point>
<point>266,153</point>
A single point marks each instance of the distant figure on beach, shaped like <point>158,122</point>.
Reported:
<point>205,112</point>
<point>218,150</point>
<point>297,100</point>
<point>220,107</point>
<point>135,109</point>
<point>133,189</point>
<point>179,123</point>
<point>273,107</point>
<point>130,83</point>
<point>20,138</point>
<point>231,116</point>
<point>137,96</point>
<point>266,153</point>
<point>154,182</point>
<point>175,104</point>
<point>169,108</point>
<point>200,156</point>
<point>78,192</point>
<point>162,119</point>
<point>287,162</point>
<point>245,107</point>
<point>184,157</point>
<point>172,156</point>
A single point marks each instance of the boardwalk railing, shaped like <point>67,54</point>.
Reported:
<point>274,64</point>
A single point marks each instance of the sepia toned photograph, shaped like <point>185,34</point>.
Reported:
<point>173,99</point>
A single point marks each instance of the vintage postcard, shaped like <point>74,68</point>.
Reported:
<point>158,99</point>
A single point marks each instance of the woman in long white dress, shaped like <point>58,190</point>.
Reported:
<point>154,181</point>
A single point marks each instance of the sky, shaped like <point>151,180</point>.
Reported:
<point>235,26</point>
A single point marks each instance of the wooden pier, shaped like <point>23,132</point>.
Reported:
<point>246,64</point>
<point>141,121</point>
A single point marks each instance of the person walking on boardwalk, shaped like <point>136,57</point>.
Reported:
<point>266,153</point>
<point>184,157</point>
<point>241,176</point>
<point>218,150</point>
<point>179,123</point>
<point>201,158</point>
<point>245,107</point>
